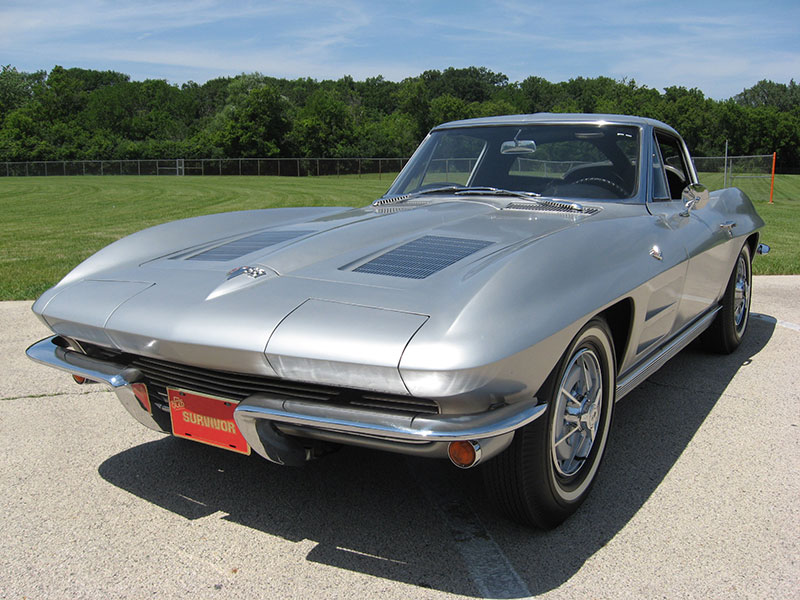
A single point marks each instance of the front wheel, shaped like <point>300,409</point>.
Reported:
<point>548,470</point>
<point>730,324</point>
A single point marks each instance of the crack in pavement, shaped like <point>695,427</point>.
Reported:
<point>34,396</point>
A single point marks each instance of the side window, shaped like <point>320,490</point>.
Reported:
<point>660,190</point>
<point>674,162</point>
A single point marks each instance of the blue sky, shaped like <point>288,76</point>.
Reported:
<point>720,47</point>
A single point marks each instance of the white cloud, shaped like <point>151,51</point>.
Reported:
<point>718,47</point>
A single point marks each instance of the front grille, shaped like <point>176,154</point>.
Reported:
<point>161,374</point>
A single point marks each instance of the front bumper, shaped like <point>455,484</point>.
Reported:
<point>426,435</point>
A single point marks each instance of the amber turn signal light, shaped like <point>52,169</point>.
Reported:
<point>464,454</point>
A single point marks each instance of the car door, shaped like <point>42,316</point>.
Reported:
<point>693,230</point>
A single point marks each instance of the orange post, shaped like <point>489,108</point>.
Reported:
<point>772,185</point>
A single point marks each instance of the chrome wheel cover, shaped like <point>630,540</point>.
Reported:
<point>741,295</point>
<point>578,412</point>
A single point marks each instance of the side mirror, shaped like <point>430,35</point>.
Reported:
<point>694,196</point>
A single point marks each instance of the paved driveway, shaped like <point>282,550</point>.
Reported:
<point>698,497</point>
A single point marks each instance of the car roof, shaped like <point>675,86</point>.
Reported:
<point>554,118</point>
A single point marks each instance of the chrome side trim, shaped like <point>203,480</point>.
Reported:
<point>396,427</point>
<point>47,352</point>
<point>655,362</point>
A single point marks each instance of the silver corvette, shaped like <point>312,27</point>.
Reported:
<point>521,274</point>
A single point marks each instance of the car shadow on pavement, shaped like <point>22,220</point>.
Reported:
<point>368,511</point>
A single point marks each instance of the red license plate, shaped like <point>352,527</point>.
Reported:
<point>205,419</point>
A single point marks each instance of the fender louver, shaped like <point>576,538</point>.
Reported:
<point>422,257</point>
<point>245,245</point>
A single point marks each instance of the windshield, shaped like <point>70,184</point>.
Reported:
<point>564,161</point>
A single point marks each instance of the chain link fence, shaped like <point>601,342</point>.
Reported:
<point>291,167</point>
<point>752,174</point>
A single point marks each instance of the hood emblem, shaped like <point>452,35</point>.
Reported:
<point>253,272</point>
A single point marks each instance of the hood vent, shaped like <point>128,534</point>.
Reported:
<point>422,257</point>
<point>399,206</point>
<point>246,245</point>
<point>553,206</point>
<point>390,199</point>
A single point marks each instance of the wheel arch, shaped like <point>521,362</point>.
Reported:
<point>752,242</point>
<point>619,318</point>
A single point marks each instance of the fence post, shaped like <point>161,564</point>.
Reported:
<point>317,167</point>
<point>725,167</point>
<point>359,168</point>
<point>772,185</point>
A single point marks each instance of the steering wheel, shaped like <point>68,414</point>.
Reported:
<point>603,183</point>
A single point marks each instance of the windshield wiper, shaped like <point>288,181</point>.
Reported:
<point>460,190</point>
<point>449,189</point>
<point>497,192</point>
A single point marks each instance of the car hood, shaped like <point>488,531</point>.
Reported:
<point>262,291</point>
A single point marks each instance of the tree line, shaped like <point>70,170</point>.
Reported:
<point>84,114</point>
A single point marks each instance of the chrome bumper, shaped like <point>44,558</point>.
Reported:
<point>352,425</point>
<point>118,377</point>
<point>47,352</point>
<point>401,428</point>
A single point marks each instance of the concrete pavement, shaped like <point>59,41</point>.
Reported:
<point>697,498</point>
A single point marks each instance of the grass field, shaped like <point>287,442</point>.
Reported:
<point>782,217</point>
<point>50,224</point>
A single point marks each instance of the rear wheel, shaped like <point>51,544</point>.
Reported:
<point>730,324</point>
<point>548,470</point>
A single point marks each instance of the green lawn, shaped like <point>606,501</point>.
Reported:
<point>50,224</point>
<point>782,217</point>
